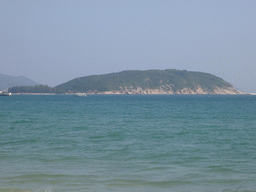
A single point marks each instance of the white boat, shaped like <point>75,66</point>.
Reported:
<point>80,95</point>
<point>5,93</point>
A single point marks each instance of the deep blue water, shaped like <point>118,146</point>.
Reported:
<point>127,143</point>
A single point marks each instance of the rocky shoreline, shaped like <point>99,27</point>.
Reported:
<point>167,90</point>
<point>164,90</point>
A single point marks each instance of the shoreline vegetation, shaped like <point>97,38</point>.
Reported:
<point>150,82</point>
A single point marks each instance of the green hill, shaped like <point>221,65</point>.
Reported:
<point>168,81</point>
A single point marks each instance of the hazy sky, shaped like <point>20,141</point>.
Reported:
<point>52,42</point>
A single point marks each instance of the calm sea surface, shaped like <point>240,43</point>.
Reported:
<point>127,143</point>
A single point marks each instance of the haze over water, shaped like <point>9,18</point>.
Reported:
<point>128,143</point>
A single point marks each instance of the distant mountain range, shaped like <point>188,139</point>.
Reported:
<point>7,81</point>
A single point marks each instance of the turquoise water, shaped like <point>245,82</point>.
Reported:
<point>127,143</point>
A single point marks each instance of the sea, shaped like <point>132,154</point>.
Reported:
<point>144,143</point>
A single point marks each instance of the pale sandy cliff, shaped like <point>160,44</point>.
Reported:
<point>167,90</point>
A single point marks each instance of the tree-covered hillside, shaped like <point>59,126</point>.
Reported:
<point>168,81</point>
<point>150,79</point>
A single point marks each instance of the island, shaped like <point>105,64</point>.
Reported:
<point>138,82</point>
